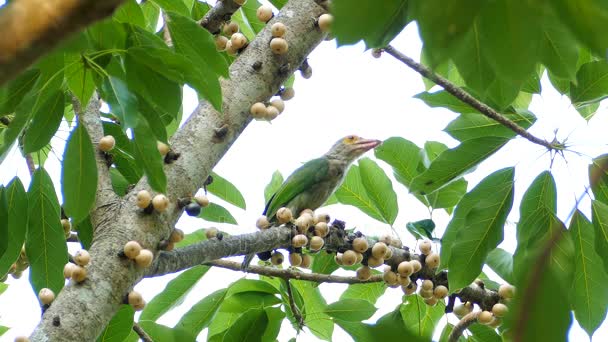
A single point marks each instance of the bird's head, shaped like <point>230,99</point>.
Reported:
<point>351,147</point>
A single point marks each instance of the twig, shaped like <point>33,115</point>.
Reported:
<point>31,166</point>
<point>292,273</point>
<point>461,326</point>
<point>219,14</point>
<point>141,333</point>
<point>467,98</point>
<point>166,33</point>
<point>294,308</point>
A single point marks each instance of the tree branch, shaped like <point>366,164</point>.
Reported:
<point>218,15</point>
<point>290,273</point>
<point>141,333</point>
<point>467,98</point>
<point>32,28</point>
<point>462,325</point>
<point>297,315</point>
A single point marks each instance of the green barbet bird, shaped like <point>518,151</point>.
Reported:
<point>310,186</point>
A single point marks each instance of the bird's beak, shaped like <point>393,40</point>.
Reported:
<point>365,145</point>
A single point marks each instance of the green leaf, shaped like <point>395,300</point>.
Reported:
<point>45,244</point>
<point>248,14</point>
<point>422,229</point>
<point>314,314</point>
<point>217,213</point>
<point>364,20</point>
<point>173,6</point>
<point>598,178</point>
<point>45,122</point>
<point>151,13</point>
<point>483,333</point>
<point>379,189</point>
<point>160,332</point>
<point>122,102</point>
<point>273,186</point>
<point>120,184</point>
<point>79,175</point>
<point>402,155</point>
<point>472,125</point>
<point>250,285</point>
<point>250,326</point>
<point>471,61</point>
<point>200,314</point>
<point>540,196</point>
<point>119,326</point>
<point>591,83</point>
<point>242,301</point>
<point>353,192</point>
<point>14,91</point>
<point>275,319</point>
<point>559,50</point>
<point>419,318</point>
<point>79,78</point>
<point>448,196</point>
<point>471,209</point>
<point>589,298</point>
<point>220,323</point>
<point>225,190</point>
<point>351,310</point>
<point>3,224</point>
<point>85,232</point>
<point>147,155</point>
<point>324,263</point>
<point>174,293</point>
<point>443,99</point>
<point>600,223</point>
<point>369,292</point>
<point>16,221</point>
<point>130,13</point>
<point>501,262</point>
<point>586,19</point>
<point>122,154</point>
<point>453,163</point>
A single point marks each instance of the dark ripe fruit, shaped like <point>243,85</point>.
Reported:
<point>79,274</point>
<point>132,249</point>
<point>372,261</point>
<point>409,289</point>
<point>264,13</point>
<point>262,222</point>
<point>405,269</point>
<point>163,148</point>
<point>135,298</point>
<point>277,258</point>
<point>379,250</point>
<point>177,235</point>
<point>295,259</point>
<point>432,260</point>
<point>360,245</point>
<point>67,270</point>
<point>427,284</point>
<point>416,265</point>
<point>211,233</point>
<point>202,200</point>
<point>279,46</point>
<point>271,113</point>
<point>106,144</point>
<point>143,199</point>
<point>425,247</point>
<point>364,273</point>
<point>160,202</point>
<point>144,259</point>
<point>506,291</point>
<point>299,240</point>
<point>500,310</point>
<point>320,217</point>
<point>440,292</point>
<point>220,42</point>
<point>306,73</point>
<point>349,258</point>
<point>321,229</point>
<point>280,105</point>
<point>324,22</point>
<point>264,256</point>
<point>278,29</point>
<point>82,257</point>
<point>193,209</point>
<point>390,278</point>
<point>338,259</point>
<point>306,261</point>
<point>485,317</point>
<point>230,28</point>
<point>284,215</point>
<point>316,243</point>
<point>238,40</point>
<point>431,301</point>
<point>46,296</point>
<point>287,94</point>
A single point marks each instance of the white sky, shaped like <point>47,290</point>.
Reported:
<point>351,93</point>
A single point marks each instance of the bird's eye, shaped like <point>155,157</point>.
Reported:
<point>350,138</point>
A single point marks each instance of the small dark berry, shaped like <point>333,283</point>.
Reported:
<point>264,256</point>
<point>193,209</point>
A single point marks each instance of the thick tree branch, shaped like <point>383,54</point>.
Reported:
<point>467,98</point>
<point>32,28</point>
<point>290,273</point>
<point>86,308</point>
<point>218,15</point>
<point>462,325</point>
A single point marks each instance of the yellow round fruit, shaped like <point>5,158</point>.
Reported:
<point>143,199</point>
<point>46,296</point>
<point>271,113</point>
<point>238,40</point>
<point>416,265</point>
<point>278,29</point>
<point>284,215</point>
<point>349,258</point>
<point>325,21</point>
<point>68,269</point>
<point>220,42</point>
<point>410,289</point>
<point>306,261</point>
<point>279,46</point>
<point>425,247</point>
<point>82,257</point>
<point>506,291</point>
<point>431,301</point>
<point>404,281</point>
<point>132,249</point>
<point>372,261</point>
<point>440,292</point>
<point>264,13</point>
<point>427,284</point>
<point>231,28</point>
<point>144,258</point>
<point>338,259</point>
<point>288,94</point>
<point>79,274</point>
<point>280,105</point>
<point>262,222</point>
<point>107,143</point>
<point>364,273</point>
<point>379,250</point>
<point>202,200</point>
<point>318,217</point>
<point>67,227</point>
<point>390,278</point>
<point>230,50</point>
<point>139,307</point>
<point>160,202</point>
<point>162,148</point>
<point>321,229</point>
<point>500,310</point>
<point>295,259</point>
<point>277,258</point>
<point>485,317</point>
<point>432,260</point>
<point>405,269</point>
<point>299,240</point>
<point>135,298</point>
<point>360,245</point>
<point>316,243</point>
<point>176,236</point>
<point>211,233</point>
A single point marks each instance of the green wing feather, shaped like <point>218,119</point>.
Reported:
<point>303,178</point>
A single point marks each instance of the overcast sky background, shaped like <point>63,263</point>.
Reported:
<point>351,93</point>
